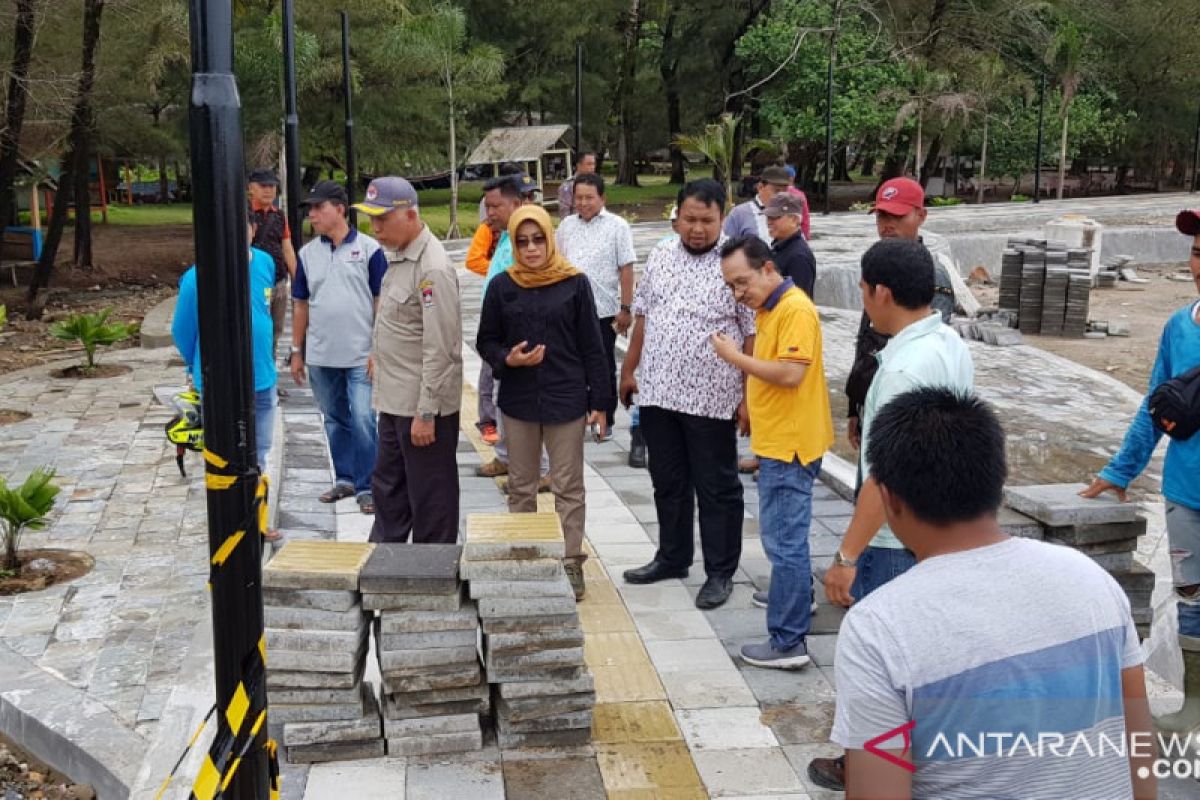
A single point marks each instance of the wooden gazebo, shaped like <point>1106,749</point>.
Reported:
<point>542,146</point>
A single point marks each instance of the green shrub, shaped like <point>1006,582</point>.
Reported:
<point>24,507</point>
<point>1019,198</point>
<point>3,316</point>
<point>945,201</point>
<point>92,331</point>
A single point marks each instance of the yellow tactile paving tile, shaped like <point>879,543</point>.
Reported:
<point>649,721</point>
<point>693,793</point>
<point>656,767</point>
<point>611,649</point>
<point>624,683</point>
<point>306,564</point>
<point>600,591</point>
<point>607,618</point>
<point>503,527</point>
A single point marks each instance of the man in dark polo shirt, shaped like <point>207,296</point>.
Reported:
<point>272,235</point>
<point>792,256</point>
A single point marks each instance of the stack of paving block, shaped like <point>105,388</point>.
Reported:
<point>1010,278</point>
<point>1033,280</point>
<point>1103,528</point>
<point>427,640</point>
<point>1079,292</point>
<point>532,640</point>
<point>1048,284</point>
<point>317,638</point>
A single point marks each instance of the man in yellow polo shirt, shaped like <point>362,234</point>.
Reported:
<point>790,429</point>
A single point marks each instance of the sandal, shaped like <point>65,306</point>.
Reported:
<point>338,492</point>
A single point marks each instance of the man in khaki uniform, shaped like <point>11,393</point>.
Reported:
<point>416,365</point>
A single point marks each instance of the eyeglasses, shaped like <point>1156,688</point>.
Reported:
<point>537,240</point>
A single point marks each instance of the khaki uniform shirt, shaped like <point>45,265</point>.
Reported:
<point>417,343</point>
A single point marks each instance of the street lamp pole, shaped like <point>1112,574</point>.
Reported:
<point>351,168</point>
<point>291,123</point>
<point>829,109</point>
<point>223,297</point>
<point>1037,165</point>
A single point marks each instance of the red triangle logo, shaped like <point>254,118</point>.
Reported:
<point>905,730</point>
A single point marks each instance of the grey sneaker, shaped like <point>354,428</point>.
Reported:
<point>759,599</point>
<point>764,655</point>
<point>574,569</point>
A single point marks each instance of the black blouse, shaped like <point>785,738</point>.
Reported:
<point>571,379</point>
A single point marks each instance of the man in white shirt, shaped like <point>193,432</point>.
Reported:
<point>600,244</point>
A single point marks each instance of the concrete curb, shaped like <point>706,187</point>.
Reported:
<point>839,475</point>
<point>64,727</point>
<point>156,325</point>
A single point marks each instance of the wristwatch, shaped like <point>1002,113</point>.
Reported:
<point>841,561</point>
<point>427,416</point>
<point>295,351</point>
<point>626,308</point>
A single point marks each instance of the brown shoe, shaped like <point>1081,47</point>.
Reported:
<point>747,466</point>
<point>574,569</point>
<point>828,773</point>
<point>492,469</point>
<point>544,484</point>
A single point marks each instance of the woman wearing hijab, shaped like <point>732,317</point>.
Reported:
<point>540,333</point>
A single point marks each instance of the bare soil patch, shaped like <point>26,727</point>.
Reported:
<point>40,569</point>
<point>23,776</point>
<point>98,371</point>
<point>8,416</point>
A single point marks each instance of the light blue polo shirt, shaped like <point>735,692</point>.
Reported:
<point>502,259</point>
<point>340,284</point>
<point>926,353</point>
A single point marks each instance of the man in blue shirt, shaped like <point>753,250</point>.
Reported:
<point>1178,352</point>
<point>185,330</point>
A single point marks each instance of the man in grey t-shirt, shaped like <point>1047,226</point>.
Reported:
<point>335,292</point>
<point>996,667</point>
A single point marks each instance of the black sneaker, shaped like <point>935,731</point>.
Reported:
<point>714,593</point>
<point>637,448</point>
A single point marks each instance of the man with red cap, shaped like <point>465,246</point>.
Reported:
<point>1179,359</point>
<point>899,211</point>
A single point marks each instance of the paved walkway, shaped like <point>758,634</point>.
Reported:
<point>121,658</point>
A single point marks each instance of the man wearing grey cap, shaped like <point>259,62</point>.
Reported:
<point>747,218</point>
<point>416,366</point>
<point>793,257</point>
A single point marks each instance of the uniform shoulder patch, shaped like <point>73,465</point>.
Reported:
<point>426,287</point>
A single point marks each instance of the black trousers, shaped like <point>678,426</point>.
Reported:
<point>695,455</point>
<point>609,336</point>
<point>416,488</point>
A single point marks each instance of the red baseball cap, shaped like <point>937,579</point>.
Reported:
<point>1188,222</point>
<point>899,196</point>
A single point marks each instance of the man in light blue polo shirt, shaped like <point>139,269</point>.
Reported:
<point>898,286</point>
<point>898,289</point>
<point>336,291</point>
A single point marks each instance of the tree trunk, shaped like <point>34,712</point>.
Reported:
<point>932,153</point>
<point>81,132</point>
<point>452,231</point>
<point>626,164</point>
<point>668,68</point>
<point>917,163</point>
<point>54,231</point>
<point>164,180</point>
<point>14,112</point>
<point>1062,153</point>
<point>982,173</point>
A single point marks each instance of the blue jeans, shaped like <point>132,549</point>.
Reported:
<point>344,397</point>
<point>1183,534</point>
<point>785,514</point>
<point>635,416</point>
<point>264,424</point>
<point>877,566</point>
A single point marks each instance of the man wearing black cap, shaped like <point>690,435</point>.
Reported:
<point>747,219</point>
<point>335,295</point>
<point>273,236</point>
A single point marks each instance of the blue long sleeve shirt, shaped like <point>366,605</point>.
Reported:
<point>185,327</point>
<point>1178,351</point>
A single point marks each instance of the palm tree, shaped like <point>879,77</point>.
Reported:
<point>1065,60</point>
<point>434,45</point>
<point>717,143</point>
<point>991,82</point>
<point>932,93</point>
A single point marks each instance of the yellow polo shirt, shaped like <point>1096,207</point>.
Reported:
<point>796,422</point>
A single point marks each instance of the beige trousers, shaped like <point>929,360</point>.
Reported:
<point>564,445</point>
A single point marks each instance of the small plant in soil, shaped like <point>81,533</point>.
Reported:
<point>24,507</point>
<point>3,316</point>
<point>92,331</point>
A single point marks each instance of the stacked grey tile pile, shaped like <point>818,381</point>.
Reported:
<point>1010,278</point>
<point>1054,294</point>
<point>1033,279</point>
<point>1104,529</point>
<point>1079,290</point>
<point>1044,282</point>
<point>427,639</point>
<point>533,642</point>
<point>317,637</point>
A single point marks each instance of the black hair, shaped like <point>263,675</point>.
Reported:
<point>506,184</point>
<point>706,190</point>
<point>905,267</point>
<point>591,179</point>
<point>941,452</point>
<point>510,168</point>
<point>582,154</point>
<point>755,249</point>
